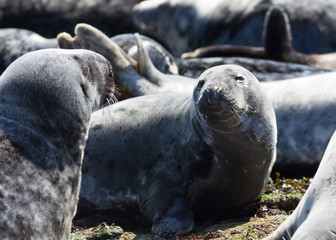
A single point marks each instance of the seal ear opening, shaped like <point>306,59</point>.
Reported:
<point>277,36</point>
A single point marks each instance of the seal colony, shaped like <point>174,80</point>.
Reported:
<point>91,38</point>
<point>301,143</point>
<point>46,101</point>
<point>184,25</point>
<point>314,217</point>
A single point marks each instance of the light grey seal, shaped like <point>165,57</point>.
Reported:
<point>15,42</point>
<point>182,155</point>
<point>46,101</point>
<point>315,216</point>
<point>304,109</point>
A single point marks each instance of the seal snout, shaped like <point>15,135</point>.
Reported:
<point>215,96</point>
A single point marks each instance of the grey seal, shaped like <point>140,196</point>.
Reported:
<point>46,101</point>
<point>48,18</point>
<point>314,217</point>
<point>15,42</point>
<point>184,25</point>
<point>304,109</point>
<point>182,155</point>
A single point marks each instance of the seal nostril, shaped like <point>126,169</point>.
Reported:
<point>200,84</point>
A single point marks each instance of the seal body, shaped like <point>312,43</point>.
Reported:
<point>186,25</point>
<point>15,42</point>
<point>314,217</point>
<point>113,16</point>
<point>46,100</point>
<point>304,110</point>
<point>264,70</point>
<point>169,152</point>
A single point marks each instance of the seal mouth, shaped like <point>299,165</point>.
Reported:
<point>221,107</point>
<point>218,98</point>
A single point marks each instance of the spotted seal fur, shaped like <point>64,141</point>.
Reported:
<point>46,101</point>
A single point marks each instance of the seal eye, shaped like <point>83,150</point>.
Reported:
<point>239,79</point>
<point>200,84</point>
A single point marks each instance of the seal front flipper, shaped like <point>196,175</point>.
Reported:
<point>178,219</point>
<point>167,205</point>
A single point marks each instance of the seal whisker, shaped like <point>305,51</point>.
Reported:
<point>233,109</point>
<point>114,98</point>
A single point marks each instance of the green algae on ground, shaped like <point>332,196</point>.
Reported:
<point>278,201</point>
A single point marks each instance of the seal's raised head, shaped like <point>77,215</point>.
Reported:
<point>230,95</point>
<point>231,107</point>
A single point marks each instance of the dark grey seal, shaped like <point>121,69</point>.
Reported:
<point>315,216</point>
<point>277,45</point>
<point>46,101</point>
<point>49,17</point>
<point>177,156</point>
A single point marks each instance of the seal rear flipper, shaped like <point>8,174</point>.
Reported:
<point>145,65</point>
<point>277,36</point>
<point>178,219</point>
